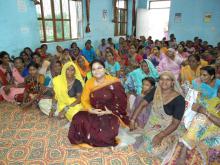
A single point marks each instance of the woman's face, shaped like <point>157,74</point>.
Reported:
<point>170,54</point>
<point>109,57</point>
<point>66,55</point>
<point>205,77</point>
<point>132,49</point>
<point>146,86</point>
<point>57,68</point>
<point>5,60</point>
<point>166,82</point>
<point>18,64</point>
<point>98,71</point>
<point>59,49</point>
<point>76,51</point>
<point>28,51</point>
<point>180,48</point>
<point>155,51</point>
<point>36,59</point>
<point>147,51</point>
<point>70,72</point>
<point>32,71</point>
<point>145,67</point>
<point>73,46</point>
<point>25,57</point>
<point>81,61</point>
<point>193,63</point>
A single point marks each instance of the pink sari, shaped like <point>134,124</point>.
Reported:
<point>13,91</point>
<point>167,64</point>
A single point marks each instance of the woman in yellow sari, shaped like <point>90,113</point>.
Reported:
<point>192,70</point>
<point>68,88</point>
<point>204,132</point>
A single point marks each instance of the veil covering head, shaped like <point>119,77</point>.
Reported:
<point>158,100</point>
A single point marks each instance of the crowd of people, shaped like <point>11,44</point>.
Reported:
<point>136,83</point>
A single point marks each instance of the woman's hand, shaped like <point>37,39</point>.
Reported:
<point>132,125</point>
<point>157,140</point>
<point>95,111</point>
<point>7,89</point>
<point>51,113</point>
<point>61,115</point>
<point>198,108</point>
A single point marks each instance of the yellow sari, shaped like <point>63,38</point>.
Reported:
<point>187,74</point>
<point>202,133</point>
<point>61,91</point>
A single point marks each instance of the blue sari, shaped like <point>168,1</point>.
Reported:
<point>134,80</point>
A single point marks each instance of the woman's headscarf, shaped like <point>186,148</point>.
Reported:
<point>152,70</point>
<point>158,100</point>
<point>61,82</point>
<point>83,73</point>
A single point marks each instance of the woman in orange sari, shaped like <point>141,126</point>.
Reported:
<point>105,103</point>
<point>83,66</point>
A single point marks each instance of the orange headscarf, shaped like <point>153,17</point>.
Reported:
<point>86,64</point>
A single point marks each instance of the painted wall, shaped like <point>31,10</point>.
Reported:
<point>192,23</point>
<point>19,27</point>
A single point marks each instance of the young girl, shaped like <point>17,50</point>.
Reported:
<point>148,85</point>
<point>34,87</point>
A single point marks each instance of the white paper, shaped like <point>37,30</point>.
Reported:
<point>189,114</point>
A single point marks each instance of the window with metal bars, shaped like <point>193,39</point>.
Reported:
<point>59,20</point>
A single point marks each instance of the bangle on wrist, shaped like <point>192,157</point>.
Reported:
<point>207,114</point>
<point>66,109</point>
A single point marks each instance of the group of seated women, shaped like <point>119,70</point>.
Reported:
<point>135,84</point>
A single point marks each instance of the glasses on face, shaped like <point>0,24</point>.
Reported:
<point>98,68</point>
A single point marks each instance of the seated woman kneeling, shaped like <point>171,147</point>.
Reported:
<point>161,131</point>
<point>68,88</point>
<point>105,101</point>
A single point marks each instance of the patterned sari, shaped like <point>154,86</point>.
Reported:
<point>159,121</point>
<point>100,131</point>
<point>14,93</point>
<point>202,133</point>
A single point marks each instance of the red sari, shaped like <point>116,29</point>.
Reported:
<point>100,131</point>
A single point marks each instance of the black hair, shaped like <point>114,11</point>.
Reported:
<point>23,52</point>
<point>28,49</point>
<point>158,48</point>
<point>140,47</point>
<point>210,70</point>
<point>66,50</point>
<point>87,42</point>
<point>73,44</point>
<point>36,54</point>
<point>196,56</point>
<point>58,62</point>
<point>43,45</point>
<point>109,39</point>
<point>151,80</point>
<point>2,54</point>
<point>32,64</point>
<point>97,61</point>
<point>18,58</point>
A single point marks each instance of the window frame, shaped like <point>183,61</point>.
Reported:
<point>54,20</point>
<point>150,1</point>
<point>116,18</point>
